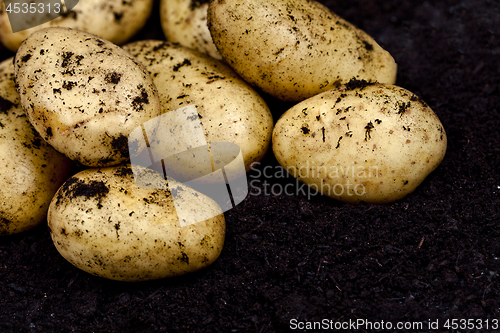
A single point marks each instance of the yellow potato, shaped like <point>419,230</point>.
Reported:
<point>84,94</point>
<point>113,20</point>
<point>104,223</point>
<point>230,110</point>
<point>373,143</point>
<point>185,22</point>
<point>295,49</point>
<point>32,170</point>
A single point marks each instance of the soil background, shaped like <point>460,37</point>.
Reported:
<point>431,257</point>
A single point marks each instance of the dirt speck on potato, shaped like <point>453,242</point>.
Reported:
<point>121,145</point>
<point>368,46</point>
<point>26,58</point>
<point>124,171</point>
<point>66,56</point>
<point>5,105</point>
<point>184,258</point>
<point>4,226</point>
<point>118,16</point>
<point>75,187</point>
<point>113,78</point>
<point>403,107</point>
<point>186,62</point>
<point>140,100</point>
<point>68,85</point>
<point>357,84</point>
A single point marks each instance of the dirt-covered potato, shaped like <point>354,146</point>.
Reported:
<point>102,222</point>
<point>83,94</point>
<point>374,143</point>
<point>294,49</point>
<point>185,22</point>
<point>230,110</point>
<point>32,170</point>
<point>114,20</point>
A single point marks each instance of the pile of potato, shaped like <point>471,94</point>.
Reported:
<point>72,97</point>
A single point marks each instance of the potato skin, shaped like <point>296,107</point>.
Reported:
<point>295,49</point>
<point>102,222</point>
<point>83,94</point>
<point>32,170</point>
<point>113,20</point>
<point>230,109</point>
<point>185,22</point>
<point>373,143</point>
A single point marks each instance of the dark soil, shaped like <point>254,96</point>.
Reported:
<point>433,256</point>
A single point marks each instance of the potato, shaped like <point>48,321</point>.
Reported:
<point>230,110</point>
<point>185,22</point>
<point>114,20</point>
<point>104,223</point>
<point>32,170</point>
<point>362,142</point>
<point>83,94</point>
<point>296,49</point>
